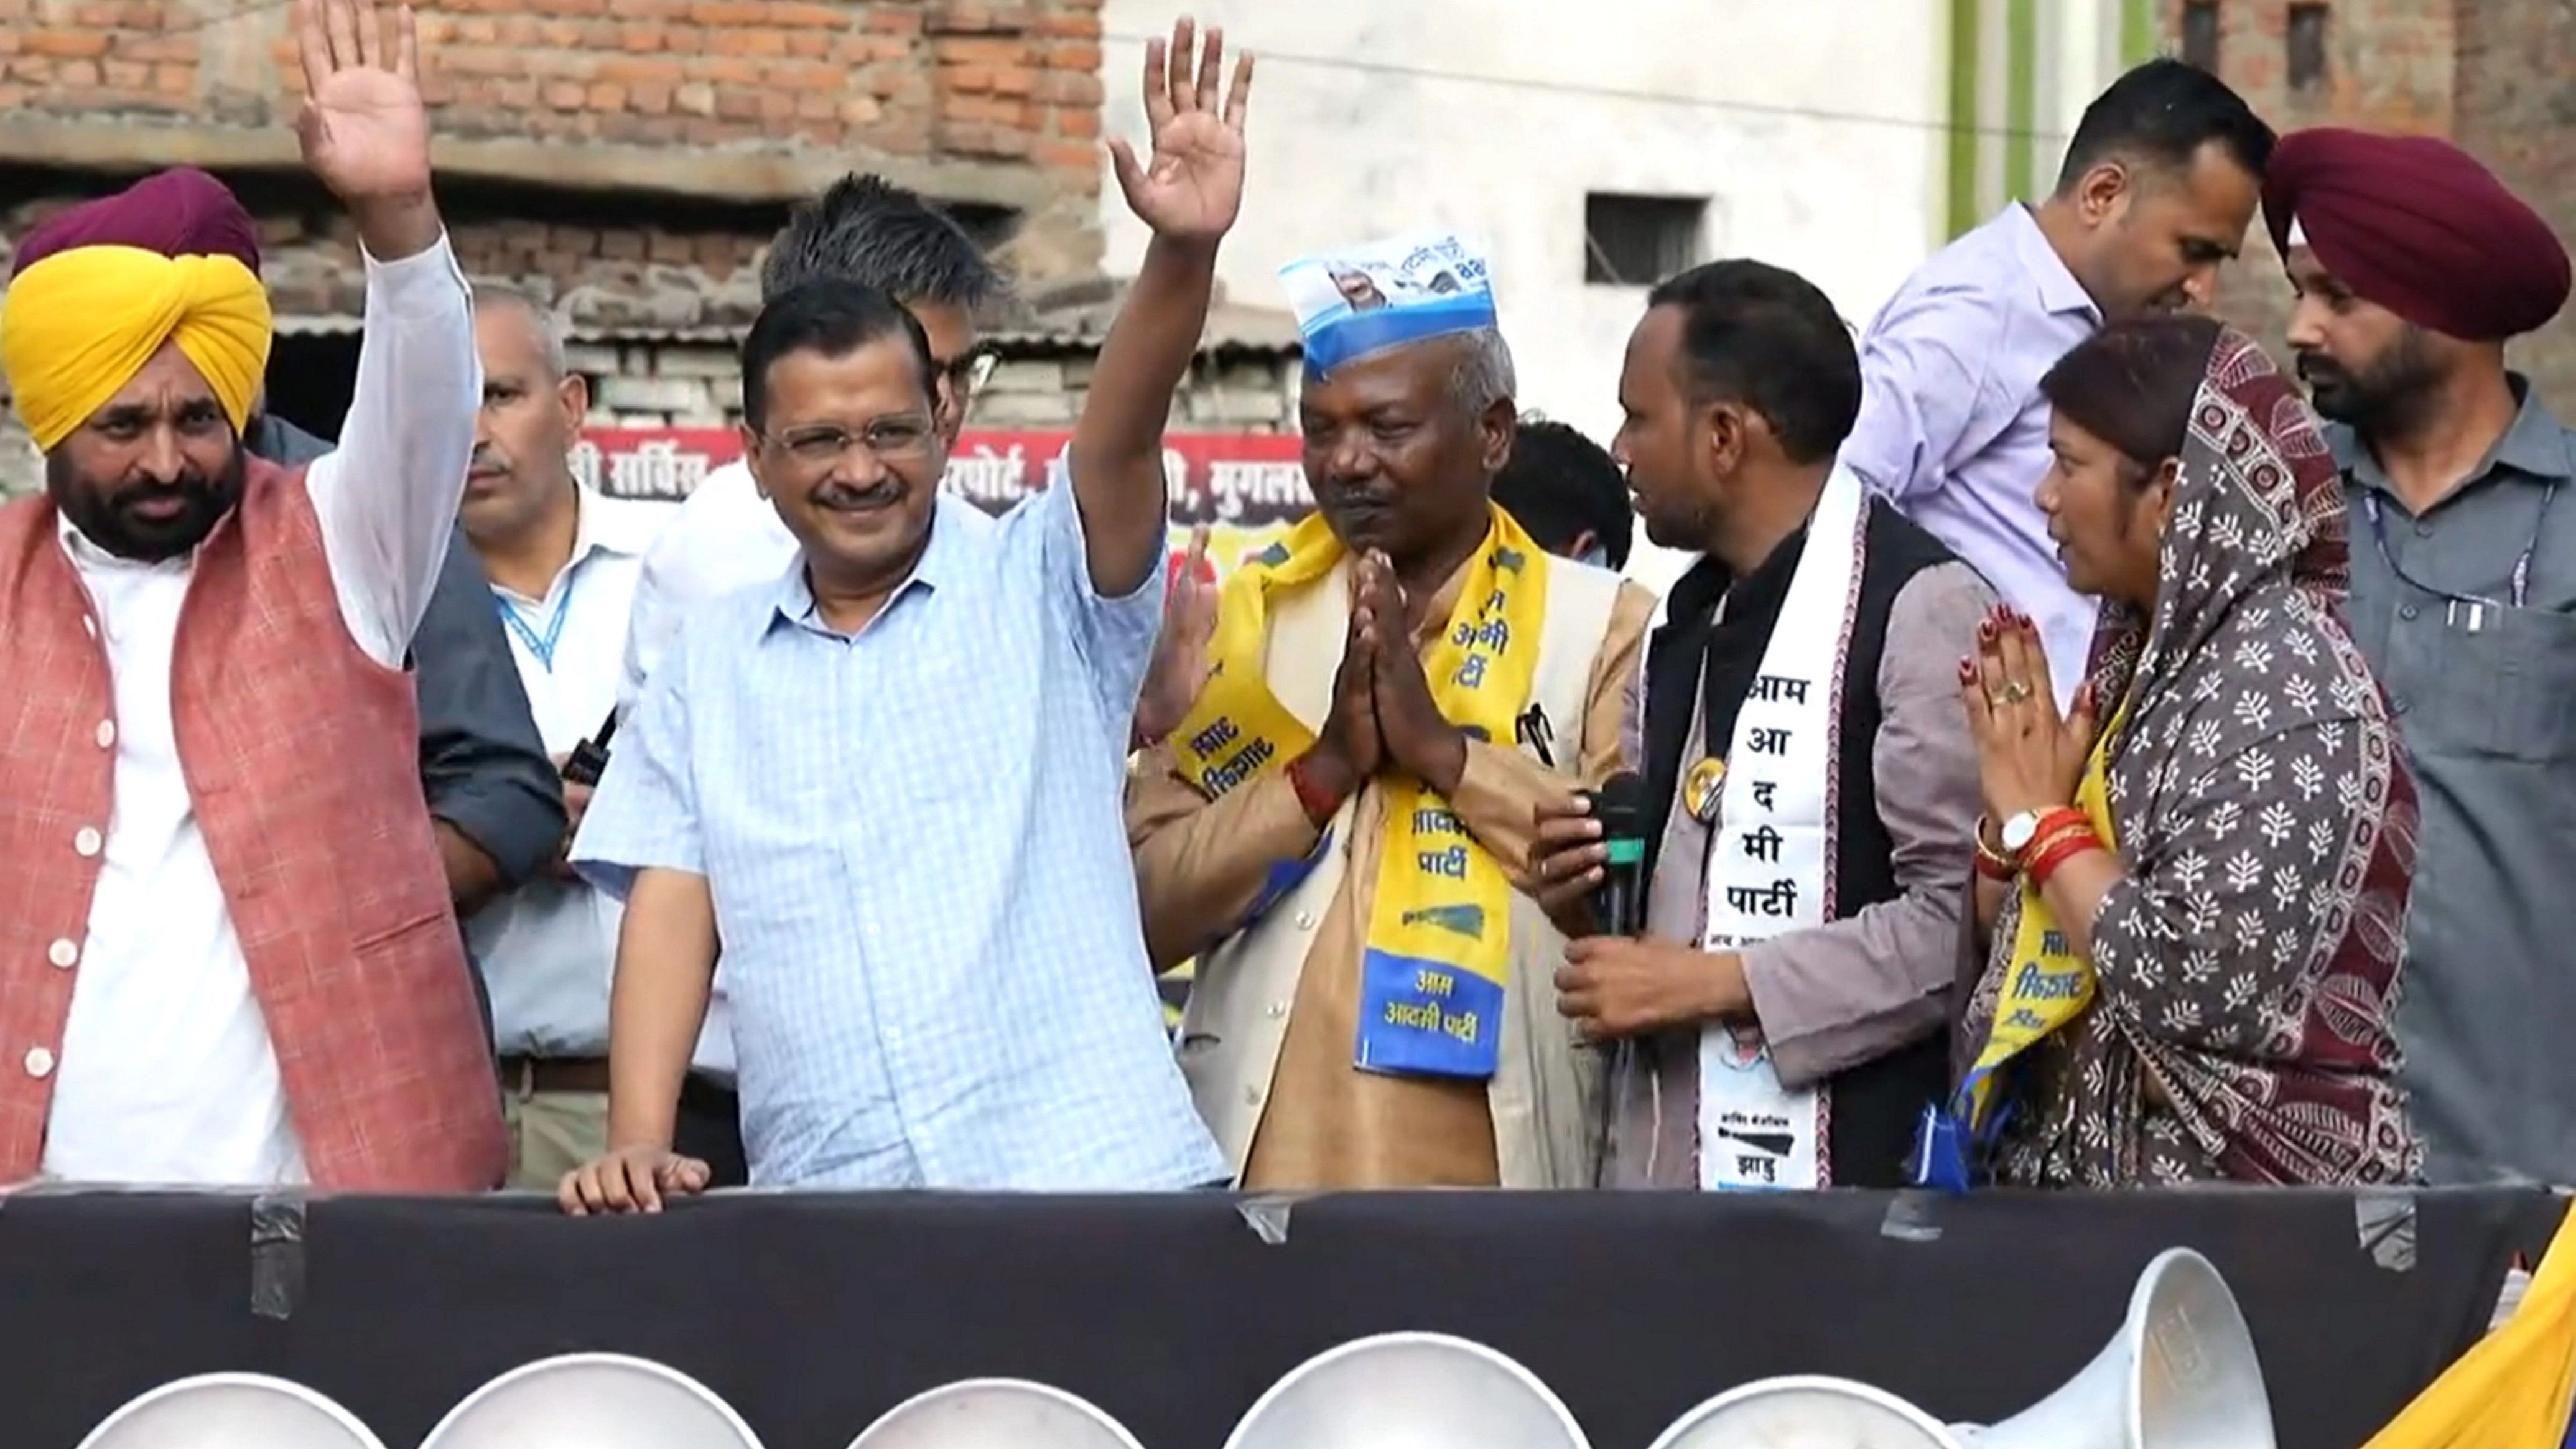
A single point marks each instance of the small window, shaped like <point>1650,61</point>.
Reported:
<point>2307,46</point>
<point>2200,34</point>
<point>1637,241</point>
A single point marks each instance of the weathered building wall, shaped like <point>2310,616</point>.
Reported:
<point>744,100</point>
<point>623,160</point>
<point>2516,109</point>
<point>2496,76</point>
<point>655,315</point>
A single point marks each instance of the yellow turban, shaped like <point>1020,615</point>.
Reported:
<point>77,326</point>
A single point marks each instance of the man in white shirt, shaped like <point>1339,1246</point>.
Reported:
<point>863,229</point>
<point>563,562</point>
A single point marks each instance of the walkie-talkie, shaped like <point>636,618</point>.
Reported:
<point>590,758</point>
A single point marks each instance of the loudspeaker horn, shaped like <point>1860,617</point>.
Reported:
<point>1806,1411</point>
<point>2180,1374</point>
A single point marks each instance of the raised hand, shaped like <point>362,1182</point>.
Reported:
<point>1192,189</point>
<point>364,128</point>
<point>2028,756</point>
<point>1180,665</point>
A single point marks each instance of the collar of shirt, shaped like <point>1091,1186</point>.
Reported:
<point>954,527</point>
<point>602,525</point>
<point>2537,449</point>
<point>2059,292</point>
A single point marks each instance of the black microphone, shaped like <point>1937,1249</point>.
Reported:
<point>590,758</point>
<point>1619,902</point>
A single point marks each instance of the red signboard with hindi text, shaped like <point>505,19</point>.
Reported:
<point>1249,488</point>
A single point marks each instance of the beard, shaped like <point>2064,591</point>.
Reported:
<point>147,521</point>
<point>2378,396</point>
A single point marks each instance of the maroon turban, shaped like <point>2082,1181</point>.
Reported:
<point>2416,225</point>
<point>181,212</point>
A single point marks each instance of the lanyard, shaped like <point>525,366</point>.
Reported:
<point>2518,586</point>
<point>540,645</point>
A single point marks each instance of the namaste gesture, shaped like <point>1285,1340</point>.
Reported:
<point>1193,186</point>
<point>364,130</point>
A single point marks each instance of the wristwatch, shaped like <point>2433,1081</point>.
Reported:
<point>2017,832</point>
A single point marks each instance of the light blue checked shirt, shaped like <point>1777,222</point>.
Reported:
<point>914,841</point>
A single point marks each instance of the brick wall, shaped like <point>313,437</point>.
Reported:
<point>2497,76</point>
<point>996,103</point>
<point>2517,112</point>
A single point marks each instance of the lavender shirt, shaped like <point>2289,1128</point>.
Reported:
<point>1952,428</point>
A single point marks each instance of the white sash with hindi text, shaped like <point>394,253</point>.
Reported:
<point>1771,855</point>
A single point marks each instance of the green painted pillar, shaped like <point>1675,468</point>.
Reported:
<point>1963,129</point>
<point>2021,98</point>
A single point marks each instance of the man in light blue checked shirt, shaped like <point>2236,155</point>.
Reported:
<point>890,781</point>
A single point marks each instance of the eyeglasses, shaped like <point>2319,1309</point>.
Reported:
<point>967,373</point>
<point>889,440</point>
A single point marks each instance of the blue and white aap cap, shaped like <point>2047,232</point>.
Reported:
<point>1371,297</point>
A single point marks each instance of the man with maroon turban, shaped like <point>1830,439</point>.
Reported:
<point>2413,267</point>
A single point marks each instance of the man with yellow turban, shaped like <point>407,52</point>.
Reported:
<point>2413,266</point>
<point>226,950</point>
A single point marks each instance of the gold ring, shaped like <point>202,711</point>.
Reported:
<point>2015,691</point>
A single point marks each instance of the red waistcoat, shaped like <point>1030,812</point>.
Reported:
<point>301,757</point>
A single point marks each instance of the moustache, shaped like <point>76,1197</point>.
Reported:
<point>837,494</point>
<point>2314,368</point>
<point>191,486</point>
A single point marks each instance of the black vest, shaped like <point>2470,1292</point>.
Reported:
<point>1876,1104</point>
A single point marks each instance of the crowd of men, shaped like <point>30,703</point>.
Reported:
<point>831,833</point>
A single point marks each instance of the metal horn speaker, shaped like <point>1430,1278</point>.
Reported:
<point>1806,1412</point>
<point>2181,1374</point>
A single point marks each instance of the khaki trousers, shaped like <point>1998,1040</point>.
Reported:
<point>551,1133</point>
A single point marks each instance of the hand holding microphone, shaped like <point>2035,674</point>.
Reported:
<point>1589,860</point>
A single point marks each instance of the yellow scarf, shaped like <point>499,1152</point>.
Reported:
<point>2514,1389</point>
<point>1439,936</point>
<point>2048,985</point>
<point>77,326</point>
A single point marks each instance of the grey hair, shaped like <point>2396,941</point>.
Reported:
<point>1485,375</point>
<point>550,333</point>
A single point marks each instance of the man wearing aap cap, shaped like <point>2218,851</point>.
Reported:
<point>2413,267</point>
<point>1341,827</point>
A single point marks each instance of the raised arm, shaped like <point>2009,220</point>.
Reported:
<point>387,497</point>
<point>1188,194</point>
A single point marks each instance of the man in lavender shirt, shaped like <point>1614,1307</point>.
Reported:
<point>2157,188</point>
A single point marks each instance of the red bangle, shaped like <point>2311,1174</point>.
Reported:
<point>1319,803</point>
<point>2051,821</point>
<point>2061,848</point>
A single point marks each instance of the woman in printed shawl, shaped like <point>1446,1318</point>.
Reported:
<point>2245,925</point>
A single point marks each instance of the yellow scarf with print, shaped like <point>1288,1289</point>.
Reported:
<point>1439,935</point>
<point>2046,984</point>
